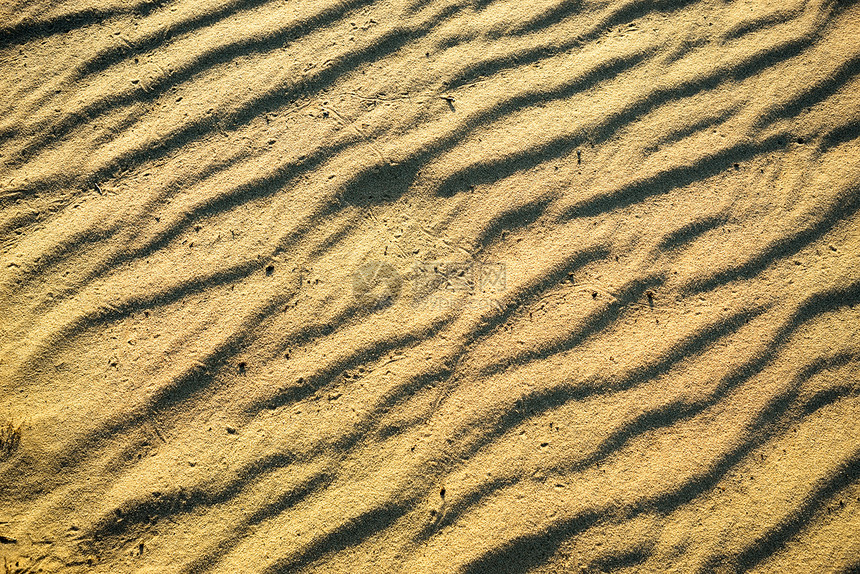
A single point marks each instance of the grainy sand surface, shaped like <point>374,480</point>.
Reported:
<point>429,286</point>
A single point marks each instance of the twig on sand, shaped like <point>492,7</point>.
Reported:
<point>377,99</point>
<point>155,429</point>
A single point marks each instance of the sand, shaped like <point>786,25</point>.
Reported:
<point>429,286</point>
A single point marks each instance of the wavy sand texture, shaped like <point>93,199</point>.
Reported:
<point>664,378</point>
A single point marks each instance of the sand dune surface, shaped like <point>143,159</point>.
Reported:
<point>429,286</point>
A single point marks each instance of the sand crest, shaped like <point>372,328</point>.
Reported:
<point>429,286</point>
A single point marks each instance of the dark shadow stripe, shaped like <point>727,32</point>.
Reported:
<point>796,522</point>
<point>350,534</point>
<point>275,99</point>
<point>29,29</point>
<point>624,14</point>
<point>592,324</point>
<point>369,353</point>
<point>825,87</point>
<point>115,54</point>
<point>132,515</point>
<point>511,220</point>
<point>843,207</point>
<point>673,178</point>
<point>382,182</point>
<point>210,559</point>
<point>539,402</point>
<point>670,414</point>
<point>761,23</point>
<point>840,135</point>
<point>549,17</point>
<point>689,232</point>
<point>621,559</point>
<point>528,551</point>
<point>195,382</point>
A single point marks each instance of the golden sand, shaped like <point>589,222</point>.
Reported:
<point>429,286</point>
